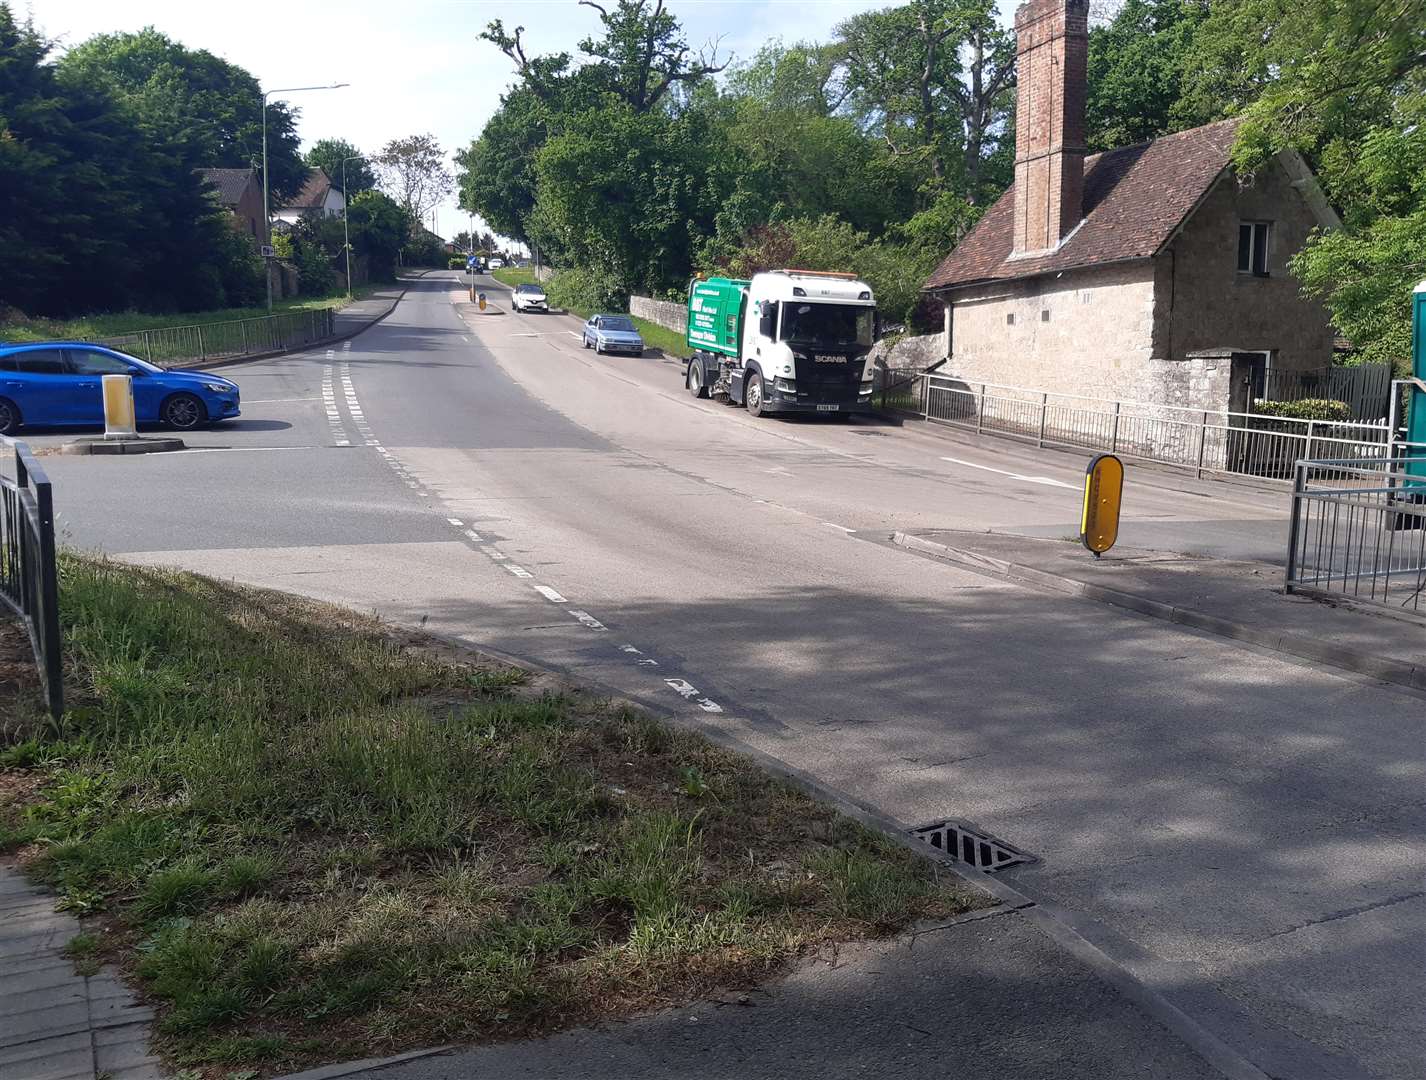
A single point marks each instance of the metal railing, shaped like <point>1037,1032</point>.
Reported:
<point>174,346</point>
<point>1204,440</point>
<point>1358,530</point>
<point>29,581</point>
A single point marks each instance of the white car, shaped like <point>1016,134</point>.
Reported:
<point>529,297</point>
<point>497,264</point>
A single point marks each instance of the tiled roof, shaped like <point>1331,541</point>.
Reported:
<point>314,191</point>
<point>229,183</point>
<point>1134,199</point>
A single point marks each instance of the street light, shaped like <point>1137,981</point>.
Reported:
<point>266,218</point>
<point>346,236</point>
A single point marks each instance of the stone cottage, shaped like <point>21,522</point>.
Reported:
<point>1151,273</point>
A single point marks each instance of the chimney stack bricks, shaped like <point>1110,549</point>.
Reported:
<point>1052,46</point>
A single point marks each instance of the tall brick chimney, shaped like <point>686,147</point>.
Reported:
<point>1052,46</point>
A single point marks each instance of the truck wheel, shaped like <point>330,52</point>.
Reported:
<point>694,380</point>
<point>753,394</point>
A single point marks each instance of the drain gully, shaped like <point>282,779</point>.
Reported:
<point>970,846</point>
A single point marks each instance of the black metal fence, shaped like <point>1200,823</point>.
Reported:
<point>174,346</point>
<point>29,581</point>
<point>1358,531</point>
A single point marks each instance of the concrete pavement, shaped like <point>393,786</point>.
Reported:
<point>56,1024</point>
<point>1243,830</point>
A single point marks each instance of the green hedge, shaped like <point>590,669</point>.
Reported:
<point>1305,409</point>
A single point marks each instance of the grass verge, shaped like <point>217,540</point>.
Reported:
<point>514,275</point>
<point>309,838</point>
<point>94,327</point>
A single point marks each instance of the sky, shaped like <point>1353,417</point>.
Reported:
<point>414,66</point>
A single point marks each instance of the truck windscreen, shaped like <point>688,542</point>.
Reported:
<point>826,325</point>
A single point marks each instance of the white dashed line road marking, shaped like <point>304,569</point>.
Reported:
<point>708,705</point>
<point>683,688</point>
<point>588,619</point>
<point>475,536</point>
<point>840,528</point>
<point>647,662</point>
<point>1014,476</point>
<point>550,595</point>
<point>329,403</point>
<point>457,522</point>
<point>518,571</point>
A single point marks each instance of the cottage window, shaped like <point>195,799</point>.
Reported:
<point>1253,248</point>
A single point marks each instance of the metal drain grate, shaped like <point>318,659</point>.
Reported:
<point>969,846</point>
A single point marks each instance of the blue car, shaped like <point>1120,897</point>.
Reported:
<point>58,383</point>
<point>612,333</point>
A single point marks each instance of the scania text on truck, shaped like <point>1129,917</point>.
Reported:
<point>785,341</point>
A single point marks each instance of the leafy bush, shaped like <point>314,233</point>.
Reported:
<point>455,262</point>
<point>585,291</point>
<point>1306,409</point>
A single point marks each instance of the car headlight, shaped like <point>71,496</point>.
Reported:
<point>787,386</point>
<point>218,388</point>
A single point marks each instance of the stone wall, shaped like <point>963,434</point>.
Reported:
<point>910,352</point>
<point>665,313</point>
<point>1089,332</point>
<point>1205,303</point>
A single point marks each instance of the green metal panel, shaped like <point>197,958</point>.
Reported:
<point>715,314</point>
<point>1416,412</point>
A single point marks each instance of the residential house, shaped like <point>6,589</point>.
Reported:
<point>1152,273</point>
<point>239,191</point>
<point>318,196</point>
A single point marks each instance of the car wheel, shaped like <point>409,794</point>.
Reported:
<point>694,380</point>
<point>598,349</point>
<point>753,394</point>
<point>183,412</point>
<point>584,341</point>
<point>9,417</point>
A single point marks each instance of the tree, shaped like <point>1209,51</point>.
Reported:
<point>100,208</point>
<point>640,57</point>
<point>1136,72</point>
<point>379,230</point>
<point>413,171</point>
<point>328,154</point>
<point>497,170</point>
<point>1343,83</point>
<point>194,97</point>
<point>911,84</point>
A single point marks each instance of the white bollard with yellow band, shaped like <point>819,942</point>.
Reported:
<point>119,408</point>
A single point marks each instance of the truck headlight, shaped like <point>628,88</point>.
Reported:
<point>787,386</point>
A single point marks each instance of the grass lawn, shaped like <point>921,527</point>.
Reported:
<point>91,327</point>
<point>514,275</point>
<point>310,838</point>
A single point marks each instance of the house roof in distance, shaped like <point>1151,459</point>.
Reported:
<point>1134,199</point>
<point>229,183</point>
<point>314,192</point>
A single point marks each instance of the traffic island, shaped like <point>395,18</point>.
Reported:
<point>99,445</point>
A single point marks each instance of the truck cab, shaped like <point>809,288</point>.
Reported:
<point>784,341</point>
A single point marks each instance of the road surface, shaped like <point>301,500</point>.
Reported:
<point>1247,827</point>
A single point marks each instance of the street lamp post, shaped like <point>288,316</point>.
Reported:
<point>346,236</point>
<point>266,217</point>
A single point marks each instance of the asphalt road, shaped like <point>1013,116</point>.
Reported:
<point>1248,828</point>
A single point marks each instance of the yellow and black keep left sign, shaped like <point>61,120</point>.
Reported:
<point>1103,492</point>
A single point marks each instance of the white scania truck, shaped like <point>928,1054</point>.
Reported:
<point>785,341</point>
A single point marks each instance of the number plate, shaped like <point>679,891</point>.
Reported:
<point>828,408</point>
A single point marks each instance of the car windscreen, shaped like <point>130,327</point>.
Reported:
<point>826,325</point>
<point>622,325</point>
<point>533,290</point>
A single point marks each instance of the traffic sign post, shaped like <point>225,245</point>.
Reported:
<point>1103,492</point>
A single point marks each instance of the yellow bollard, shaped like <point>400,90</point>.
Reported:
<point>1103,492</point>
<point>482,301</point>
<point>119,407</point>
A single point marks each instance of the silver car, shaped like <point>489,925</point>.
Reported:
<point>614,334</point>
